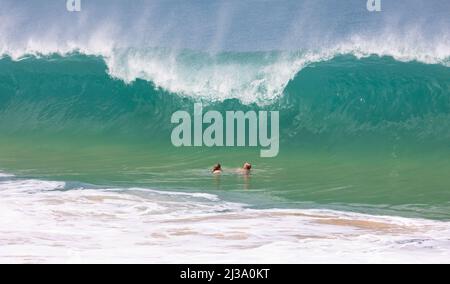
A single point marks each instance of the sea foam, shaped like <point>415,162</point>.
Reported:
<point>44,222</point>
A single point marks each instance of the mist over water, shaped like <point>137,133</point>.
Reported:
<point>223,25</point>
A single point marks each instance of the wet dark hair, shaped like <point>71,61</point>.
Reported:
<point>217,167</point>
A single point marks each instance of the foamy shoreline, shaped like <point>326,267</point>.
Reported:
<point>42,224</point>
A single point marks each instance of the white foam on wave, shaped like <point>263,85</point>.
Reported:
<point>212,77</point>
<point>135,225</point>
<point>260,79</point>
<point>5,175</point>
<point>207,196</point>
<point>257,81</point>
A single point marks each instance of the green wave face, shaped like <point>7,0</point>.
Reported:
<point>368,134</point>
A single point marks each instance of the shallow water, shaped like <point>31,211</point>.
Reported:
<point>49,222</point>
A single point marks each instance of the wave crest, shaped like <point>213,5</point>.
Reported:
<point>256,77</point>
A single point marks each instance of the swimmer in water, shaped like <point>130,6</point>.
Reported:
<point>246,168</point>
<point>217,169</point>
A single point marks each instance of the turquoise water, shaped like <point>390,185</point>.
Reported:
<point>369,134</point>
<point>88,172</point>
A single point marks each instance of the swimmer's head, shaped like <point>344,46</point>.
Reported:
<point>217,168</point>
<point>247,166</point>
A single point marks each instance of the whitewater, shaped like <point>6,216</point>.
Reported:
<point>47,222</point>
